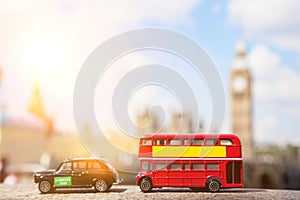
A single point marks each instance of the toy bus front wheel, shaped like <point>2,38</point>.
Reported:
<point>214,186</point>
<point>146,185</point>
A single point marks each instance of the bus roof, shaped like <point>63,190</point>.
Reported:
<point>191,135</point>
<point>159,135</point>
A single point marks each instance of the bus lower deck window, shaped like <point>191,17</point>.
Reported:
<point>160,166</point>
<point>174,166</point>
<point>146,166</point>
<point>212,166</point>
<point>186,166</point>
<point>197,166</point>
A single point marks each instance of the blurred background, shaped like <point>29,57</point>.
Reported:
<point>254,45</point>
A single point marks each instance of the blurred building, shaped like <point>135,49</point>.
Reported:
<point>23,141</point>
<point>146,123</point>
<point>28,142</point>
<point>180,123</point>
<point>291,160</point>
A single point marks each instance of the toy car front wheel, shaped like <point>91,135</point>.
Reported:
<point>101,186</point>
<point>45,186</point>
<point>146,185</point>
<point>214,186</point>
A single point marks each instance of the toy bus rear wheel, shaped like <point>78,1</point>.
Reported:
<point>213,186</point>
<point>45,187</point>
<point>146,185</point>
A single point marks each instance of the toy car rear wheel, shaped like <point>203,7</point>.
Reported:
<point>146,185</point>
<point>45,186</point>
<point>214,186</point>
<point>101,185</point>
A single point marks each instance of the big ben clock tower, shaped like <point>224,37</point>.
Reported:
<point>241,99</point>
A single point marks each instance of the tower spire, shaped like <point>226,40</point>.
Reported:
<point>240,61</point>
<point>240,49</point>
<point>36,105</point>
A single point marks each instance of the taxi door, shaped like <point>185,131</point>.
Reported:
<point>79,173</point>
<point>63,176</point>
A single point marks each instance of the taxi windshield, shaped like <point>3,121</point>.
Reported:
<point>64,166</point>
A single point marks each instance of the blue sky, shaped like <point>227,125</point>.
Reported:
<point>46,42</point>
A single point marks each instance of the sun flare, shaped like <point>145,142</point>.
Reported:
<point>44,55</point>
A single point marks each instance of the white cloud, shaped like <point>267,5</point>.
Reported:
<point>275,90</point>
<point>273,82</point>
<point>275,21</point>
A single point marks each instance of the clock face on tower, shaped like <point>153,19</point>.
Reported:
<point>239,84</point>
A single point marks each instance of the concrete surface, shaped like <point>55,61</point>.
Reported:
<point>30,191</point>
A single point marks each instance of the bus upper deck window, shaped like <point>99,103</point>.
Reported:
<point>174,142</point>
<point>197,141</point>
<point>225,142</point>
<point>147,142</point>
<point>186,142</point>
<point>160,142</point>
<point>211,141</point>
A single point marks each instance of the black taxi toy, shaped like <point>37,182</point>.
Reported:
<point>78,173</point>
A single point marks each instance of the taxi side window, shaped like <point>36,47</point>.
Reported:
<point>79,165</point>
<point>94,165</point>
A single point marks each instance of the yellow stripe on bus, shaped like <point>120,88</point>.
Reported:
<point>189,151</point>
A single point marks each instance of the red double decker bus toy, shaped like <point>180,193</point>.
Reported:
<point>195,161</point>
